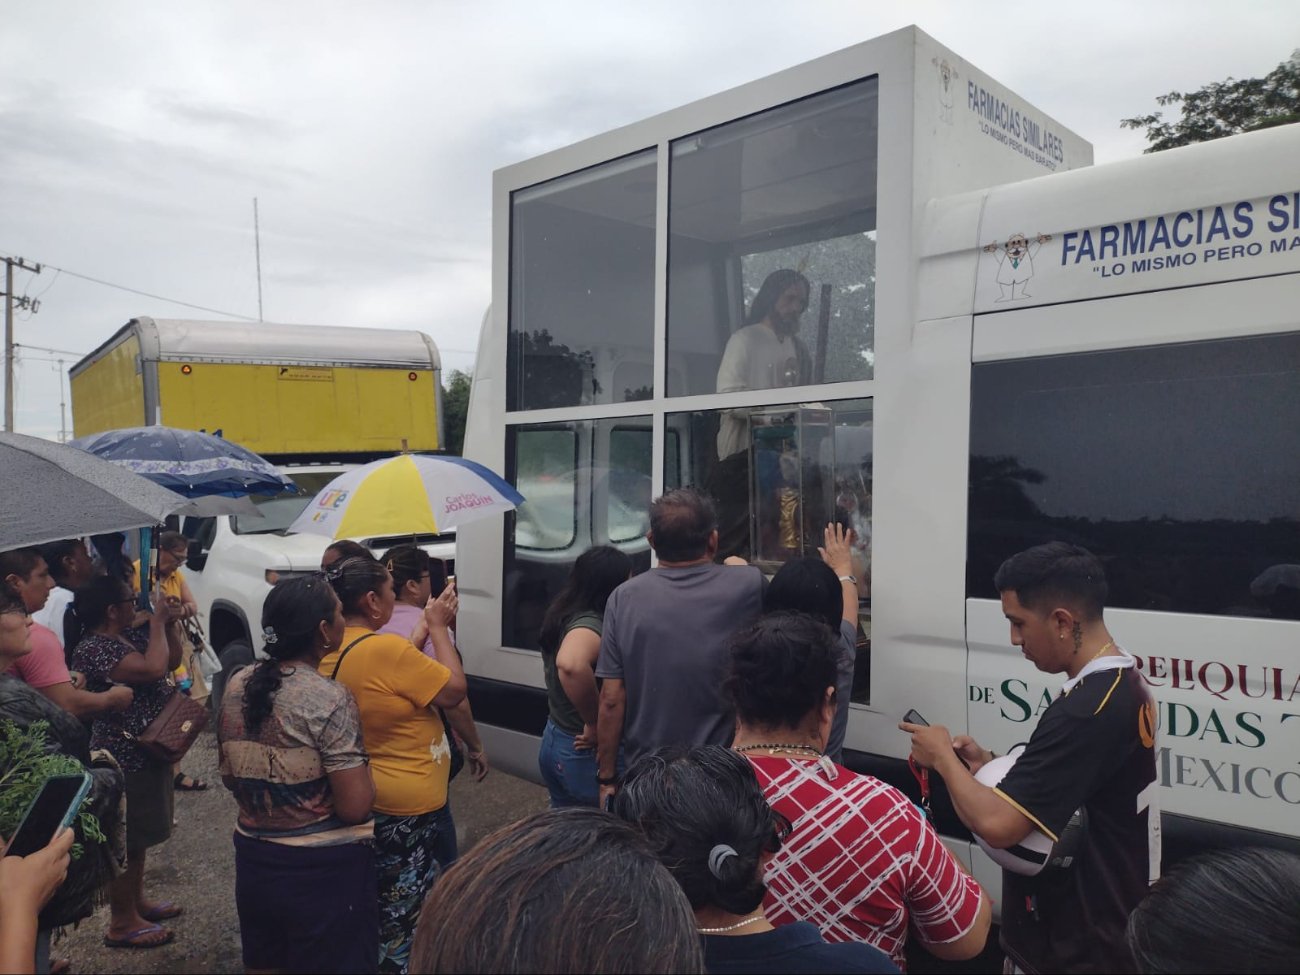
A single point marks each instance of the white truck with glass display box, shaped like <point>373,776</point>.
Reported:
<point>1002,345</point>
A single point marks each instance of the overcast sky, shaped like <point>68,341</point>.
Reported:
<point>134,136</point>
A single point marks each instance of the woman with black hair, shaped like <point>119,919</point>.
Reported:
<point>292,756</point>
<point>863,863</point>
<point>705,816</point>
<point>570,643</point>
<point>398,691</point>
<point>826,589</point>
<point>112,652</point>
<point>344,548</point>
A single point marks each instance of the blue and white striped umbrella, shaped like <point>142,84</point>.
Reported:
<point>190,463</point>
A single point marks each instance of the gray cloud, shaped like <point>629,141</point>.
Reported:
<point>134,135</point>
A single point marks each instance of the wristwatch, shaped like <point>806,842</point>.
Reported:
<point>612,780</point>
<point>849,578</point>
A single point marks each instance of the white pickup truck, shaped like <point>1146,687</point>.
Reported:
<point>234,560</point>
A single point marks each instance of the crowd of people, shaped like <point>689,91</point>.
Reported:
<point>702,817</point>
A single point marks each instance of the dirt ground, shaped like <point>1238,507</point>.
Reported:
<point>196,869</point>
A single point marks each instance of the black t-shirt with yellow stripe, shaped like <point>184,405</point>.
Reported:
<point>1094,747</point>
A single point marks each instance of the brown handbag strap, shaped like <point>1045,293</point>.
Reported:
<point>339,663</point>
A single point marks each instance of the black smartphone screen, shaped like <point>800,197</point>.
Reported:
<point>46,814</point>
<point>914,717</point>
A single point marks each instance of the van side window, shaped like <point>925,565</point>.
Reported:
<point>1179,465</point>
<point>581,325</point>
<point>585,483</point>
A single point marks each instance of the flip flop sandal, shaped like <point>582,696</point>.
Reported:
<point>163,912</point>
<point>135,939</point>
<point>193,785</point>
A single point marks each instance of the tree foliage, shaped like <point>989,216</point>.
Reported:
<point>26,761</point>
<point>1225,108</point>
<point>455,410</point>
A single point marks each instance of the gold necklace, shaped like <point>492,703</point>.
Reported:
<point>1107,646</point>
<point>731,927</point>
<point>809,751</point>
<point>816,752</point>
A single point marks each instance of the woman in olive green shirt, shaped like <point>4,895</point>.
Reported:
<point>570,643</point>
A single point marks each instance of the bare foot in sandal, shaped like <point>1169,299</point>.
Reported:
<point>149,936</point>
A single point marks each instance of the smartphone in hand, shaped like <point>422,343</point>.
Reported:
<point>52,809</point>
<point>913,716</point>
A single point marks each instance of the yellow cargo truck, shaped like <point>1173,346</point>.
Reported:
<point>288,392</point>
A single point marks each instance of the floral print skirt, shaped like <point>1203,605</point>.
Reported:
<point>407,867</point>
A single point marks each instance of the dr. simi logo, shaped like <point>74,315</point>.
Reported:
<point>1016,264</point>
<point>947,78</point>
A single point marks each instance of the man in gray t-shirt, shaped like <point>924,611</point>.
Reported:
<point>663,650</point>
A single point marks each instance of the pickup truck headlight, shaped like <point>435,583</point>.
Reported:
<point>280,575</point>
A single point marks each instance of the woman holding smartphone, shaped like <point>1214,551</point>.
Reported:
<point>112,652</point>
<point>22,706</point>
<point>398,691</point>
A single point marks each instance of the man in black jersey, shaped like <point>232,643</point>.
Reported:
<point>1094,748</point>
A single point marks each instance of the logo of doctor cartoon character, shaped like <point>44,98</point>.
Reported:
<point>1016,264</point>
<point>947,75</point>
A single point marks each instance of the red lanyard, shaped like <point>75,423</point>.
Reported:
<point>923,780</point>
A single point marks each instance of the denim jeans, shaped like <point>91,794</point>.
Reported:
<point>444,847</point>
<point>569,773</point>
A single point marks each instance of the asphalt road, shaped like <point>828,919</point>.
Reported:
<point>196,869</point>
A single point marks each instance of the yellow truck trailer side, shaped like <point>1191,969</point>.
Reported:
<point>277,389</point>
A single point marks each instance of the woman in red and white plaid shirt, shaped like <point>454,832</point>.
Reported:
<point>862,863</point>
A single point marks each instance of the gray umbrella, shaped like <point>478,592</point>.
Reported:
<point>50,492</point>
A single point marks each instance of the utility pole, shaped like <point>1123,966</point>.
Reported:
<point>24,303</point>
<point>257,248</point>
<point>63,406</point>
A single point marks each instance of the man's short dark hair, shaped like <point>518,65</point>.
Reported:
<point>1055,574</point>
<point>170,541</point>
<point>20,562</point>
<point>567,890</point>
<point>780,668</point>
<point>681,522</point>
<point>1193,918</point>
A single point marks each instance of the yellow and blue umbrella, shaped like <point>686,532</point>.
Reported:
<point>406,495</point>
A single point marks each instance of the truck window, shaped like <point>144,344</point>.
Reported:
<point>1179,465</point>
<point>789,192</point>
<point>278,512</point>
<point>581,322</point>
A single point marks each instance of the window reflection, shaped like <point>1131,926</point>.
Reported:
<point>797,467</point>
<point>582,287</point>
<point>771,266</point>
<point>585,483</point>
<point>1178,465</point>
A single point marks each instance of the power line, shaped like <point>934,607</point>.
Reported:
<point>144,294</point>
<point>44,348</point>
